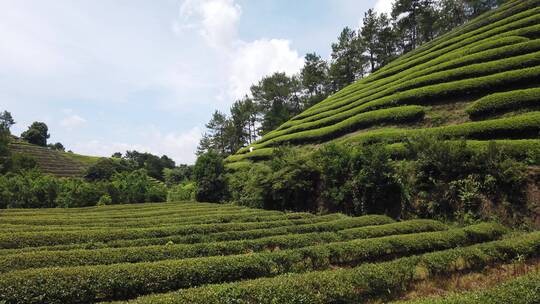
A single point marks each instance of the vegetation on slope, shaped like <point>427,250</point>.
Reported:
<point>312,258</point>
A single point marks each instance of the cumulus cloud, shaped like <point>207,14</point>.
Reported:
<point>383,6</point>
<point>258,58</point>
<point>216,20</point>
<point>247,61</point>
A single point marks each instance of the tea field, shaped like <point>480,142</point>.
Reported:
<point>207,253</point>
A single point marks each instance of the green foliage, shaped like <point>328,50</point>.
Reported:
<point>209,176</point>
<point>108,282</point>
<point>105,168</point>
<point>455,179</point>
<point>31,189</point>
<point>506,101</point>
<point>17,162</point>
<point>358,284</point>
<point>153,164</point>
<point>57,146</point>
<point>136,187</point>
<point>107,256</point>
<point>6,121</point>
<point>177,175</point>
<point>37,134</point>
<point>519,126</point>
<point>104,200</point>
<point>182,192</point>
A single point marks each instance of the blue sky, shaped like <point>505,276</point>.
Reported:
<point>116,75</point>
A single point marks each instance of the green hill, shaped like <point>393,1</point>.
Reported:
<point>479,82</point>
<point>57,163</point>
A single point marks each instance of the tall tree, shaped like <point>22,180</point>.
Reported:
<point>37,134</point>
<point>277,99</point>
<point>6,121</point>
<point>217,127</point>
<point>370,36</point>
<point>386,48</point>
<point>242,123</point>
<point>347,59</point>
<point>451,13</point>
<point>478,7</point>
<point>411,19</point>
<point>314,77</point>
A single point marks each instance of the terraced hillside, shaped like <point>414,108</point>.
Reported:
<point>479,82</point>
<point>57,163</point>
<point>208,253</point>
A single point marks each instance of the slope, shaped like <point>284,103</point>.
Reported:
<point>479,82</point>
<point>57,163</point>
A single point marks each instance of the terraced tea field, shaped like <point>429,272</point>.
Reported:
<point>57,163</point>
<point>479,82</point>
<point>208,253</point>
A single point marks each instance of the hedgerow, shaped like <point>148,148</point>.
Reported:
<point>505,101</point>
<point>80,257</point>
<point>33,239</point>
<point>493,49</point>
<point>358,284</point>
<point>502,27</point>
<point>394,115</point>
<point>521,290</point>
<point>422,53</point>
<point>254,155</point>
<point>447,87</point>
<point>335,225</point>
<point>513,21</point>
<point>520,149</point>
<point>239,217</point>
<point>86,284</point>
<point>172,218</point>
<point>519,126</point>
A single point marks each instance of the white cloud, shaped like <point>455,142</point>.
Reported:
<point>216,20</point>
<point>383,6</point>
<point>247,62</point>
<point>179,146</point>
<point>72,121</point>
<point>256,59</point>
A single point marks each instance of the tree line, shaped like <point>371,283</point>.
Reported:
<point>357,53</point>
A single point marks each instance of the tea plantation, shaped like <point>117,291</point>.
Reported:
<point>207,253</point>
<point>57,163</point>
<point>479,82</point>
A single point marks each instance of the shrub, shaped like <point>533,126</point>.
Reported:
<point>355,285</point>
<point>183,192</point>
<point>500,102</point>
<point>455,179</point>
<point>124,281</point>
<point>105,168</point>
<point>104,200</point>
<point>454,63</point>
<point>40,259</point>
<point>209,175</point>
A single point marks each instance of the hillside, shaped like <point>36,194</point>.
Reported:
<point>480,82</point>
<point>57,163</point>
<point>206,253</point>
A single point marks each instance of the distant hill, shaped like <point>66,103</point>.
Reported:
<point>479,82</point>
<point>57,163</point>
